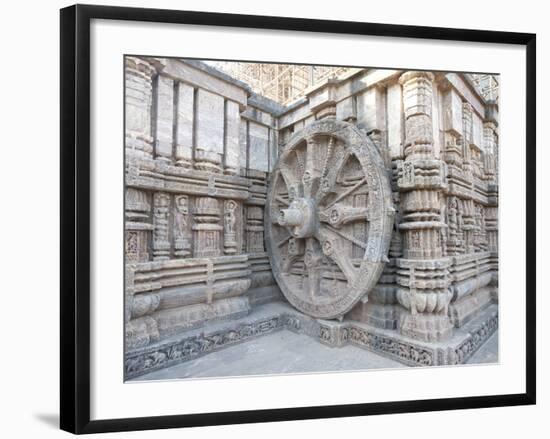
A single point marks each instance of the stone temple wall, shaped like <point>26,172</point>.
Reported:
<point>439,140</point>
<point>199,146</point>
<point>199,150</point>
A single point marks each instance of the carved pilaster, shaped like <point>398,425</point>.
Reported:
<point>422,274</point>
<point>182,233</point>
<point>138,102</point>
<point>184,125</point>
<point>161,211</point>
<point>164,128</point>
<point>206,230</point>
<point>255,230</point>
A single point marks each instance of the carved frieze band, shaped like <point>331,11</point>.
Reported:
<point>410,353</point>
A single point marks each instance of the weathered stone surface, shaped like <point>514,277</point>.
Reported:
<point>258,137</point>
<point>232,122</point>
<point>227,192</point>
<point>395,121</point>
<point>209,131</point>
<point>164,118</point>
<point>185,116</point>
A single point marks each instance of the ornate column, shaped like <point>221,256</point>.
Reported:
<point>139,92</point>
<point>206,230</point>
<point>423,270</point>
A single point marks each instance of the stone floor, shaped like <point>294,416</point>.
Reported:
<point>285,352</point>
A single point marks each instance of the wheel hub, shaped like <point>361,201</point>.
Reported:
<point>300,218</point>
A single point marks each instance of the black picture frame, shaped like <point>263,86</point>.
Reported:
<point>75,217</point>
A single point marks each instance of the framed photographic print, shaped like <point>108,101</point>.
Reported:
<point>292,219</point>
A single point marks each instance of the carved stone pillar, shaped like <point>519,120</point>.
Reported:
<point>182,233</point>
<point>137,225</point>
<point>423,270</point>
<point>255,230</point>
<point>184,125</point>
<point>206,230</point>
<point>164,129</point>
<point>139,92</point>
<point>161,211</point>
<point>209,134</point>
<point>232,124</point>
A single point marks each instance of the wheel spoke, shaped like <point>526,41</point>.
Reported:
<point>333,248</point>
<point>347,192</point>
<point>328,181</point>
<point>282,200</point>
<point>295,251</point>
<point>309,172</point>
<point>346,236</point>
<point>290,180</point>
<point>312,261</point>
<point>339,215</point>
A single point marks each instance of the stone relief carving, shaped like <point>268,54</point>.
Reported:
<point>230,231</point>
<point>161,243</point>
<point>182,237</point>
<point>312,218</point>
<point>328,223</point>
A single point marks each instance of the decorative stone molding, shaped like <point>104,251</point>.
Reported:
<point>334,334</point>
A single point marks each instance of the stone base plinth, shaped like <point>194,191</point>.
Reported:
<point>274,316</point>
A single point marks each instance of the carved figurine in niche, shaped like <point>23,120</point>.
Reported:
<point>182,243</point>
<point>408,173</point>
<point>230,235</point>
<point>480,227</point>
<point>452,218</point>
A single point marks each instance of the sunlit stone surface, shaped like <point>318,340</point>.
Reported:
<point>362,218</point>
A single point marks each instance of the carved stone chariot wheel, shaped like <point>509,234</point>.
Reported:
<point>329,218</point>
